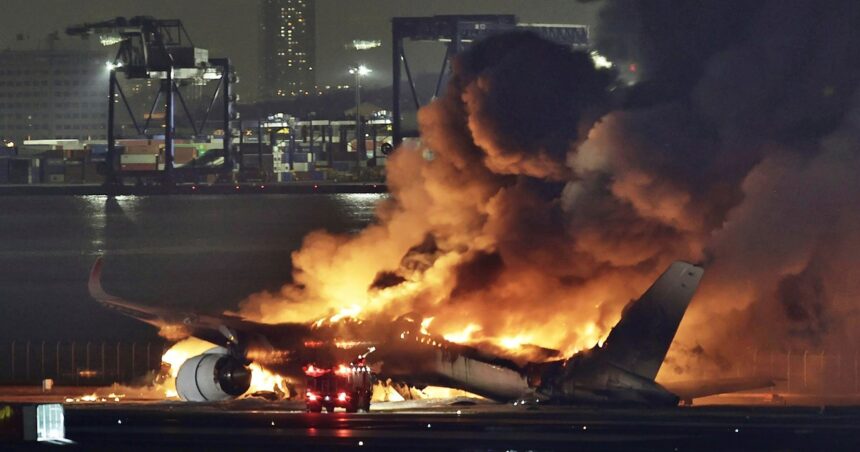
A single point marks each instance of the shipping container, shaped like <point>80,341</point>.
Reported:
<point>343,165</point>
<point>304,166</point>
<point>53,167</point>
<point>91,173</point>
<point>75,154</point>
<point>96,149</point>
<point>133,142</point>
<point>300,157</point>
<point>21,170</point>
<point>141,149</point>
<point>138,158</point>
<point>253,161</point>
<point>184,154</point>
<point>138,167</point>
<point>138,162</point>
<point>35,171</point>
<point>40,151</point>
<point>74,173</point>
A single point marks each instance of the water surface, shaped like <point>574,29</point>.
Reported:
<point>198,252</point>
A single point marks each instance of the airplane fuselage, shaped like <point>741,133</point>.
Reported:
<point>622,371</point>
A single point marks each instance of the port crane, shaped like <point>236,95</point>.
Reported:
<point>151,48</point>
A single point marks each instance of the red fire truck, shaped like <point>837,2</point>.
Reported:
<point>342,386</point>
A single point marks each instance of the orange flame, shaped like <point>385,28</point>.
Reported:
<point>464,336</point>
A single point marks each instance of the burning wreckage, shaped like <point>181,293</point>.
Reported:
<point>336,356</point>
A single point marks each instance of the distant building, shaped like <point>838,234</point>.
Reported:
<point>287,45</point>
<point>53,93</point>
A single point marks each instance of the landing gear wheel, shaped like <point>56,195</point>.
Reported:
<point>315,409</point>
<point>363,403</point>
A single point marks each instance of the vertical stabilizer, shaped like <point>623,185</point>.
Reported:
<point>640,340</point>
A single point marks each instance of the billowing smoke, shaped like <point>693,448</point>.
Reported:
<point>475,235</point>
<point>742,135</point>
<point>544,196</point>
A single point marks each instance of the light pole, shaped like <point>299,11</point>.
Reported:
<point>358,72</point>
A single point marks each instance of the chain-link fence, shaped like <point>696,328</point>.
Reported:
<point>806,371</point>
<point>78,362</point>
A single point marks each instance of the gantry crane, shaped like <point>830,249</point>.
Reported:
<point>150,48</point>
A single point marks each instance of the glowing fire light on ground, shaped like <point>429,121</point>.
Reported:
<point>94,397</point>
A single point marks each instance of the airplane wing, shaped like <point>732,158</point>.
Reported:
<point>134,310</point>
<point>223,330</point>
<point>692,389</point>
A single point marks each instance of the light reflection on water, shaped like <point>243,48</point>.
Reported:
<point>361,205</point>
<point>98,208</point>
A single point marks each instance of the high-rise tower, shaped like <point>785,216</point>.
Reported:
<point>287,37</point>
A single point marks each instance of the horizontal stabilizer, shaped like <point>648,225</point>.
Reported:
<point>692,389</point>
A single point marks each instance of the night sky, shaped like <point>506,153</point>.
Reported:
<point>229,27</point>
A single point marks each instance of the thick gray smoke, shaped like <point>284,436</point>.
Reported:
<point>520,219</point>
<point>742,138</point>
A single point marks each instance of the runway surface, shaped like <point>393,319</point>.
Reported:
<point>259,425</point>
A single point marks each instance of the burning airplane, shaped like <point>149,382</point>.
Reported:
<point>529,212</point>
<point>622,370</point>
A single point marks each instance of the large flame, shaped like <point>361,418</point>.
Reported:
<point>477,254</point>
<point>520,219</point>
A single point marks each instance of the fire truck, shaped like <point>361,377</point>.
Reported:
<point>342,386</point>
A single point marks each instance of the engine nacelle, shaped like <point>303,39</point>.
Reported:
<point>214,375</point>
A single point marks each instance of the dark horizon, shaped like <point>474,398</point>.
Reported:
<point>228,28</point>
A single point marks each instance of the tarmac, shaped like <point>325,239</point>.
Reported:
<point>459,424</point>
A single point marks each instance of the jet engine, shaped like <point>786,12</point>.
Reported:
<point>214,375</point>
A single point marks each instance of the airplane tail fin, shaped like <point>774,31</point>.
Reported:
<point>639,341</point>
